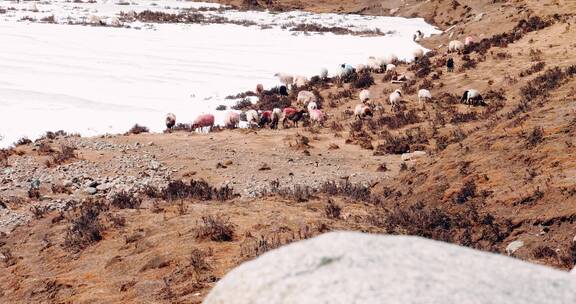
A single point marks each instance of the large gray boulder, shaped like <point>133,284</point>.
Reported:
<point>348,267</point>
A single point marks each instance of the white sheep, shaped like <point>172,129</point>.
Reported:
<point>300,81</point>
<point>345,70</point>
<point>114,21</point>
<point>412,156</point>
<point>317,116</point>
<point>418,53</point>
<point>364,96</point>
<point>276,116</point>
<point>424,95</point>
<point>360,67</point>
<point>305,97</point>
<point>362,110</point>
<point>472,95</point>
<point>93,19</point>
<point>390,67</point>
<point>252,118</point>
<point>312,106</point>
<point>395,98</point>
<point>455,46</point>
<point>374,64</point>
<point>323,73</point>
<point>285,79</point>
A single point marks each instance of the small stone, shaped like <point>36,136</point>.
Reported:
<point>514,246</point>
<point>91,190</point>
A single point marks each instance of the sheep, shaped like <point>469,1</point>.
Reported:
<point>469,40</point>
<point>285,79</point>
<point>360,67</point>
<point>345,70</point>
<point>300,81</point>
<point>455,46</point>
<point>252,118</point>
<point>93,19</point>
<point>390,59</point>
<point>202,121</point>
<point>259,89</point>
<point>374,64</point>
<point>305,97</point>
<point>472,95</point>
<point>170,120</point>
<point>265,118</point>
<point>395,98</point>
<point>276,116</point>
<point>323,73</point>
<point>292,115</point>
<point>418,53</point>
<point>317,116</point>
<point>364,96</point>
<point>312,106</point>
<point>361,111</point>
<point>450,64</point>
<point>283,91</point>
<point>424,95</point>
<point>231,120</point>
<point>114,21</point>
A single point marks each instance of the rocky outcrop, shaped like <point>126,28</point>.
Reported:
<point>347,267</point>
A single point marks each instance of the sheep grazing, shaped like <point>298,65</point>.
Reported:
<point>276,116</point>
<point>231,120</point>
<point>345,70</point>
<point>283,90</point>
<point>317,117</point>
<point>395,98</point>
<point>203,121</point>
<point>259,89</point>
<point>170,120</point>
<point>424,95</point>
<point>252,118</point>
<point>362,111</point>
<point>265,118</point>
<point>285,79</point>
<point>114,21</point>
<point>455,46</point>
<point>93,19</point>
<point>472,96</point>
<point>469,40</point>
<point>323,73</point>
<point>312,106</point>
<point>418,53</point>
<point>305,97</point>
<point>292,115</point>
<point>450,64</point>
<point>360,67</point>
<point>374,64</point>
<point>390,68</point>
<point>364,96</point>
<point>300,81</point>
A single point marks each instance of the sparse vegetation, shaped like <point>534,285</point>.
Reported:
<point>137,129</point>
<point>216,228</point>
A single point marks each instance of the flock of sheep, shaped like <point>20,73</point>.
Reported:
<point>307,101</point>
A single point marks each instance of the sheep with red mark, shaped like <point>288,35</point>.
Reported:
<point>469,40</point>
<point>170,120</point>
<point>317,116</point>
<point>231,120</point>
<point>203,121</point>
<point>265,118</point>
<point>293,115</point>
<point>362,111</point>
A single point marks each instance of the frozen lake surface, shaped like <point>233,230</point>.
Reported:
<point>94,80</point>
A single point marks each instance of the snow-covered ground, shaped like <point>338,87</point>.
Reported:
<point>95,80</point>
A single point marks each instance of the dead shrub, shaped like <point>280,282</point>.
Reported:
<point>65,154</point>
<point>364,80</point>
<point>22,142</point>
<point>398,119</point>
<point>542,251</point>
<point>215,228</point>
<point>535,137</point>
<point>86,229</point>
<point>125,200</point>
<point>535,68</point>
<point>137,129</point>
<point>458,117</point>
<point>468,191</point>
<point>201,190</point>
<point>332,210</point>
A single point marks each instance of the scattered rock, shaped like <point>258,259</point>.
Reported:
<point>91,190</point>
<point>349,267</point>
<point>514,246</point>
<point>333,146</point>
<point>264,167</point>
